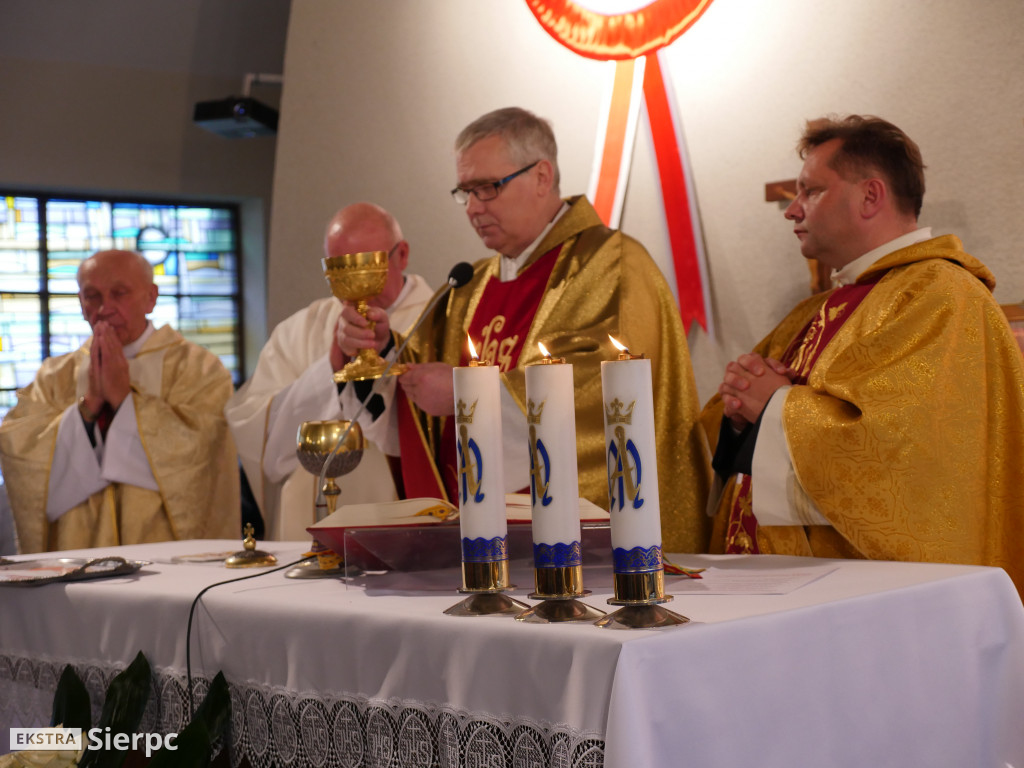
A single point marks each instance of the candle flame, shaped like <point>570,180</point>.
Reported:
<point>543,350</point>
<point>472,349</point>
<point>618,345</point>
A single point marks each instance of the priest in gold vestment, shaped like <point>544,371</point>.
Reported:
<point>884,418</point>
<point>561,278</point>
<point>124,440</point>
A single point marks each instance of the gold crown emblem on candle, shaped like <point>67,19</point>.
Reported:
<point>533,416</point>
<point>462,417</point>
<point>615,415</point>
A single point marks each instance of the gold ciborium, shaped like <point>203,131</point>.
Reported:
<point>358,277</point>
<point>315,443</point>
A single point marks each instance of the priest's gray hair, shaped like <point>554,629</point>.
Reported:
<point>529,138</point>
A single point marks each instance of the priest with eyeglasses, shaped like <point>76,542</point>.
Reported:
<point>557,276</point>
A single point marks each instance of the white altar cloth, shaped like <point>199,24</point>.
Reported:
<point>874,663</point>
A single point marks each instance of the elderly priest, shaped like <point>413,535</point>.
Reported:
<point>884,418</point>
<point>293,382</point>
<point>558,277</point>
<point>124,440</point>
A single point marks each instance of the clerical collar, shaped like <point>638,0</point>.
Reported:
<point>509,267</point>
<point>848,274</point>
<point>132,349</point>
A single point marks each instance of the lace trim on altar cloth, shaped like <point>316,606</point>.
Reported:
<point>274,727</point>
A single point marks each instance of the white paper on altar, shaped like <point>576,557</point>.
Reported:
<point>627,389</point>
<point>718,581</point>
<point>551,407</point>
<point>478,434</point>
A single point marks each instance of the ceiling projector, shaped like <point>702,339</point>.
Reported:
<point>236,117</point>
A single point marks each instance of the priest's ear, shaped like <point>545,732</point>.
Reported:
<point>400,255</point>
<point>545,177</point>
<point>152,291</point>
<point>874,197</point>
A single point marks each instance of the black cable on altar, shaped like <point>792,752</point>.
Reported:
<point>191,611</point>
<point>459,275</point>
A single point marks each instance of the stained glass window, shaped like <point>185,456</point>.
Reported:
<point>193,250</point>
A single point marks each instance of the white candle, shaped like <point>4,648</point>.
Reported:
<point>630,451</point>
<point>554,478</point>
<point>481,480</point>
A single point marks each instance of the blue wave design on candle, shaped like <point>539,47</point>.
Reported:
<point>484,550</point>
<point>637,560</point>
<point>560,555</point>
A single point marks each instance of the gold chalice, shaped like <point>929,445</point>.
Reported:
<point>358,277</point>
<point>316,441</point>
<point>315,444</point>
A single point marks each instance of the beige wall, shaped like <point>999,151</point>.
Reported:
<point>97,97</point>
<point>376,91</point>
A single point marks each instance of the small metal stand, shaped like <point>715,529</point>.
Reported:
<point>321,564</point>
<point>485,583</point>
<point>249,556</point>
<point>640,594</point>
<point>557,588</point>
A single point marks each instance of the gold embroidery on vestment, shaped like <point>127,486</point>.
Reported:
<point>495,348</point>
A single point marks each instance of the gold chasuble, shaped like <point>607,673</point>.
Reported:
<point>906,426</point>
<point>179,390</point>
<point>601,282</point>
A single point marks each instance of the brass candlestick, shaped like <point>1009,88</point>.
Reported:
<point>316,441</point>
<point>358,277</point>
<point>485,578</point>
<point>558,587</point>
<point>640,589</point>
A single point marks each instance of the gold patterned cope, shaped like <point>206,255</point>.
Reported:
<point>909,434</point>
<point>179,390</point>
<point>603,282</point>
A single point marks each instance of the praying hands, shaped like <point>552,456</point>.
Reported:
<point>748,385</point>
<point>109,380</point>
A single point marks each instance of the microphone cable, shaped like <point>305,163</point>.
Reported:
<point>459,275</point>
<point>191,612</point>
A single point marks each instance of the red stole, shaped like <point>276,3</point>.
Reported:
<point>803,351</point>
<point>498,328</point>
<point>801,355</point>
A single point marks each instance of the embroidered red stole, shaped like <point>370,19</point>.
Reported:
<point>801,355</point>
<point>804,350</point>
<point>498,328</point>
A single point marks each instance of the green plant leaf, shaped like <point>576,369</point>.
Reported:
<point>122,712</point>
<point>71,706</point>
<point>194,745</point>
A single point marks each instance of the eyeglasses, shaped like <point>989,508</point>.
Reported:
<point>488,190</point>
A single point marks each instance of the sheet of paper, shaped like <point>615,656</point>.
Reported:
<point>747,581</point>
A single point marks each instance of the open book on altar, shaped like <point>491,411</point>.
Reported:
<point>422,534</point>
<point>433,511</point>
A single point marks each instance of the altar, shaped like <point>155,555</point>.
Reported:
<point>785,662</point>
